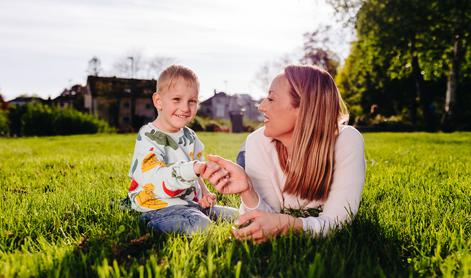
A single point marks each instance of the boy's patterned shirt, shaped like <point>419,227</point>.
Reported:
<point>161,171</point>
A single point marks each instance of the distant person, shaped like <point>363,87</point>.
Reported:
<point>305,169</point>
<point>168,159</point>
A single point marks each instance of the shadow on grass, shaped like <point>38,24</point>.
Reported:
<point>363,249</point>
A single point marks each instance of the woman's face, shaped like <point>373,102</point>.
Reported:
<point>280,115</point>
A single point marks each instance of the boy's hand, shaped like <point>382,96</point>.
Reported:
<point>209,200</point>
<point>199,167</point>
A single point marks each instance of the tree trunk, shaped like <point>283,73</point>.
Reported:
<point>424,97</point>
<point>451,85</point>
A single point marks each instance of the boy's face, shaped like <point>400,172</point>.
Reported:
<point>176,106</point>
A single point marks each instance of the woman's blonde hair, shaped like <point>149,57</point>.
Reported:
<point>169,76</point>
<point>310,170</point>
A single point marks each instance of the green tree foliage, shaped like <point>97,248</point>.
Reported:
<point>4,129</point>
<point>410,55</point>
<point>316,51</point>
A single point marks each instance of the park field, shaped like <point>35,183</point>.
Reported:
<point>58,215</point>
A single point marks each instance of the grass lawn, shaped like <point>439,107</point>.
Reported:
<point>57,217</point>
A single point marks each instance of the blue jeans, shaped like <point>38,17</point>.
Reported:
<point>186,219</point>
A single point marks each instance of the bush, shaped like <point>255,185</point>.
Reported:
<point>71,121</point>
<point>250,125</point>
<point>197,124</point>
<point>208,124</point>
<point>212,126</point>
<point>382,123</point>
<point>41,120</point>
<point>4,129</point>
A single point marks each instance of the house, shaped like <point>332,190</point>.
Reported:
<point>23,99</point>
<point>73,97</point>
<point>124,103</point>
<point>222,105</point>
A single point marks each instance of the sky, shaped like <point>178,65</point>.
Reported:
<point>45,45</point>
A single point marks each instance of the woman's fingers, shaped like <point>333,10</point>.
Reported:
<point>258,236</point>
<point>246,232</point>
<point>217,159</point>
<point>247,217</point>
<point>224,163</point>
<point>221,185</point>
<point>261,240</point>
<point>211,169</point>
<point>221,173</point>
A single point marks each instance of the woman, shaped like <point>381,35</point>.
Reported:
<point>302,160</point>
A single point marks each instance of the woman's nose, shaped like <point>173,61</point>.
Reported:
<point>261,107</point>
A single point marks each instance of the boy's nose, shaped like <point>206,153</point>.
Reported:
<point>185,107</point>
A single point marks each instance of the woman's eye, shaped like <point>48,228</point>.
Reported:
<point>269,99</point>
<point>193,101</point>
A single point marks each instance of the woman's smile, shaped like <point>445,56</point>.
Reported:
<point>266,120</point>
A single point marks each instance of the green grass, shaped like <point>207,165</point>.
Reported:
<point>57,217</point>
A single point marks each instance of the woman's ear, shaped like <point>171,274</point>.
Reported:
<point>157,101</point>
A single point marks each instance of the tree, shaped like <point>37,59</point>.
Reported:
<point>264,76</point>
<point>94,66</point>
<point>134,64</point>
<point>156,64</point>
<point>424,41</point>
<point>130,65</point>
<point>453,29</point>
<point>316,52</point>
<point>270,69</point>
<point>393,29</point>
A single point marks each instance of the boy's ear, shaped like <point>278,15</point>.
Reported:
<point>157,101</point>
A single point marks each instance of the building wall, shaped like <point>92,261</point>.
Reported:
<point>220,106</point>
<point>87,99</point>
<point>145,108</point>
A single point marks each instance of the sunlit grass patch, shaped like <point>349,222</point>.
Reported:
<point>58,215</point>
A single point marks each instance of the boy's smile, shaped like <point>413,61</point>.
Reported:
<point>176,106</point>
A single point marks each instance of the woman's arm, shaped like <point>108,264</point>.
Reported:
<point>342,203</point>
<point>264,225</point>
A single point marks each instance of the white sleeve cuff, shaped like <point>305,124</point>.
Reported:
<point>254,208</point>
<point>261,205</point>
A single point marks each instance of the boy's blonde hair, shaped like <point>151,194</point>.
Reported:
<point>170,75</point>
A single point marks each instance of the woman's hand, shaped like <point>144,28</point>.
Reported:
<point>226,176</point>
<point>265,225</point>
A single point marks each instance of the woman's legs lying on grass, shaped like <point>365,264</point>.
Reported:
<point>186,219</point>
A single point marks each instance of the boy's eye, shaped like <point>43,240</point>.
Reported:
<point>193,101</point>
<point>176,99</point>
<point>269,99</point>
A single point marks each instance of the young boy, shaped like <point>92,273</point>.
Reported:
<point>168,159</point>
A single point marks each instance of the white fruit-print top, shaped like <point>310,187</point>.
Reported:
<point>162,171</point>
